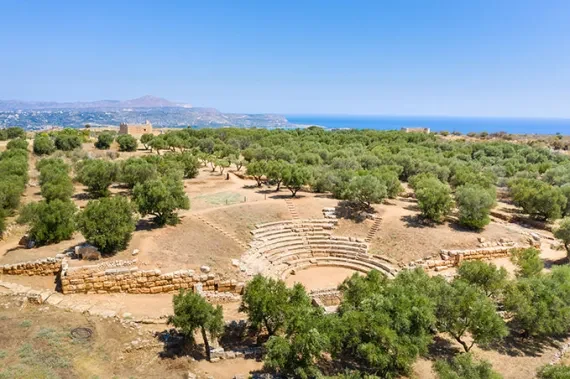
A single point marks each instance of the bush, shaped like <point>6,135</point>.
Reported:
<point>145,140</point>
<point>17,143</point>
<point>127,142</point>
<point>528,262</point>
<point>104,141</point>
<point>562,232</point>
<point>474,203</point>
<point>486,276</point>
<point>43,145</point>
<point>67,140</point>
<point>554,372</point>
<point>365,190</point>
<point>161,197</point>
<point>137,170</point>
<point>15,132</point>
<point>50,222</point>
<point>97,175</point>
<point>537,198</point>
<point>463,367</point>
<point>108,223</point>
<point>434,199</point>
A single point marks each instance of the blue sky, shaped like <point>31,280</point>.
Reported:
<point>407,57</point>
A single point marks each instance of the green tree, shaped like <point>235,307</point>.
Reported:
<point>295,177</point>
<point>49,222</point>
<point>528,262</point>
<point>17,143</point>
<point>158,143</point>
<point>137,170</point>
<point>537,198</point>
<point>97,175</point>
<point>486,276</point>
<point>257,169</point>
<point>265,301</point>
<point>383,325</point>
<point>539,305</point>
<point>192,311</point>
<point>43,145</point>
<point>434,199</point>
<point>464,367</point>
<point>554,372</point>
<point>365,190</point>
<point>275,172</point>
<point>104,141</point>
<point>295,354</point>
<point>11,188</point>
<point>145,140</point>
<point>562,232</point>
<point>67,140</point>
<point>461,308</point>
<point>107,223</point>
<point>127,142</point>
<point>56,184</point>
<point>15,132</point>
<point>474,203</point>
<point>188,162</point>
<point>161,197</point>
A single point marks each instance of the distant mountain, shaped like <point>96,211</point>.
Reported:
<point>160,112</point>
<point>147,101</point>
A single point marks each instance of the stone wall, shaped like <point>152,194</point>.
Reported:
<point>453,258</point>
<point>92,279</point>
<point>44,266</point>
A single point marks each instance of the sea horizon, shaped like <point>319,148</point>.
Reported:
<point>513,125</point>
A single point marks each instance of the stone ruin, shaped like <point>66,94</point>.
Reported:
<point>282,248</point>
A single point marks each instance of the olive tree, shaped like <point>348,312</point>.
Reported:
<point>562,232</point>
<point>365,190</point>
<point>191,312</point>
<point>295,177</point>
<point>434,199</point>
<point>97,175</point>
<point>474,203</point>
<point>146,139</point>
<point>127,142</point>
<point>104,141</point>
<point>50,222</point>
<point>107,223</point>
<point>43,145</point>
<point>463,366</point>
<point>161,197</point>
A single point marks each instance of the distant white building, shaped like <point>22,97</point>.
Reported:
<point>416,130</point>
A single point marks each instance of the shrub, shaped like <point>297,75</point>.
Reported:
<point>528,262</point>
<point>486,276</point>
<point>537,198</point>
<point>562,232</point>
<point>137,170</point>
<point>97,175</point>
<point>365,190</point>
<point>107,223</point>
<point>463,367</point>
<point>104,141</point>
<point>67,140</point>
<point>127,142</point>
<point>17,143</point>
<point>43,145</point>
<point>434,199</point>
<point>50,222</point>
<point>15,132</point>
<point>554,372</point>
<point>474,203</point>
<point>161,197</point>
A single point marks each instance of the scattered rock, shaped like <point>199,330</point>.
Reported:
<point>191,375</point>
<point>481,239</point>
<point>205,269</point>
<point>235,262</point>
<point>135,252</point>
<point>87,252</point>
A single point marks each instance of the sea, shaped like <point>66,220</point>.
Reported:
<point>464,125</point>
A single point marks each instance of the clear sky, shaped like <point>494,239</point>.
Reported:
<point>400,57</point>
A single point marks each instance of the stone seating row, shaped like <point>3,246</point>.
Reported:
<point>290,232</point>
<point>301,224</point>
<point>350,263</point>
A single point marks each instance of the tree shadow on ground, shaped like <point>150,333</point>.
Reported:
<point>82,196</point>
<point>281,196</point>
<point>441,348</point>
<point>417,221</point>
<point>549,263</point>
<point>516,346</point>
<point>350,211</point>
<point>146,225</point>
<point>177,345</point>
<point>413,207</point>
<point>454,224</point>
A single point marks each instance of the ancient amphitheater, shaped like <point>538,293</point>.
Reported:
<point>282,248</point>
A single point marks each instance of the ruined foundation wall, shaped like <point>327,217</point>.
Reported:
<point>45,267</point>
<point>133,280</point>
